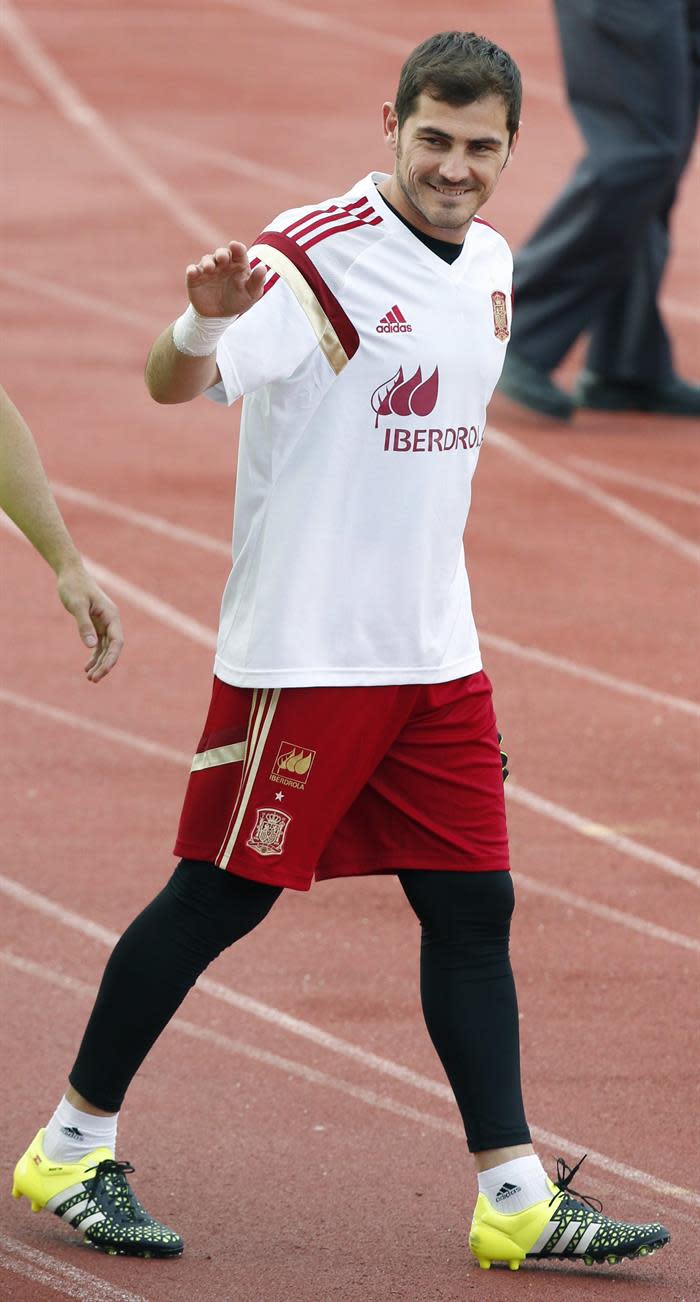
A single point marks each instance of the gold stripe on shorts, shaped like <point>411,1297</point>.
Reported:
<point>210,759</point>
<point>262,712</point>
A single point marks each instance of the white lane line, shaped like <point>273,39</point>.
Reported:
<point>262,173</point>
<point>646,524</point>
<point>535,87</point>
<point>599,832</point>
<point>160,610</point>
<point>234,998</point>
<point>270,174</point>
<point>200,633</point>
<point>292,1067</point>
<point>505,442</point>
<point>80,113</point>
<point>618,476</point>
<point>97,729</point>
<point>183,760</point>
<point>313,20</point>
<point>71,1281</point>
<point>77,109</point>
<point>43,1277</point>
<point>587,674</point>
<point>49,909</point>
<point>649,929</point>
<point>75,298</point>
<point>158,525</point>
<point>117,585</point>
<point>143,519</point>
<point>358,34</point>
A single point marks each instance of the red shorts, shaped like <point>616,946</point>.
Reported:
<point>296,782</point>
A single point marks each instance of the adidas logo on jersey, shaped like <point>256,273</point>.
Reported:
<point>394,323</point>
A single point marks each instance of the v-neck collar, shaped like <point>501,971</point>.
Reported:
<point>452,270</point>
<point>447,250</point>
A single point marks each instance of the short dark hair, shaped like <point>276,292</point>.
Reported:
<point>459,67</point>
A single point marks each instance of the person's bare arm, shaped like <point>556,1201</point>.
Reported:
<point>221,286</point>
<point>25,495</point>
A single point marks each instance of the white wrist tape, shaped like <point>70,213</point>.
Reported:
<point>196,335</point>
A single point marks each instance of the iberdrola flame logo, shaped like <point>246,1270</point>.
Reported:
<point>296,761</point>
<point>412,397</point>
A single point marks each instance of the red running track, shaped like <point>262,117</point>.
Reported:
<point>304,1142</point>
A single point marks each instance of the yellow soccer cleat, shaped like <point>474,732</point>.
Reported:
<point>95,1197</point>
<point>561,1228</point>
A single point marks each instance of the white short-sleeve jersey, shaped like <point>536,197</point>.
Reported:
<point>366,369</point>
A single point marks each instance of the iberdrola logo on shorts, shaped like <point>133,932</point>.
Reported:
<point>292,765</point>
<point>406,397</point>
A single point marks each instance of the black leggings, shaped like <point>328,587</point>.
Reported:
<point>467,985</point>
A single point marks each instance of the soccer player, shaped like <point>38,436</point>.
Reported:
<point>25,495</point>
<point>351,728</point>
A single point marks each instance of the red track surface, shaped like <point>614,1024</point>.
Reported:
<point>314,1174</point>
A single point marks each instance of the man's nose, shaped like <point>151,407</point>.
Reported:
<point>454,170</point>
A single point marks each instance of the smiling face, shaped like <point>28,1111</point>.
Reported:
<point>448,159</point>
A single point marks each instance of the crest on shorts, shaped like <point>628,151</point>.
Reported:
<point>267,837</point>
<point>292,765</point>
<point>500,314</point>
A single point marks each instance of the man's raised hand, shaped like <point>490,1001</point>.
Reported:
<point>222,283</point>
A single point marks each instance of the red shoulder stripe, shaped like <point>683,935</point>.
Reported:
<point>482,222</point>
<point>343,326</point>
<point>269,279</point>
<point>317,212</point>
<point>332,219</point>
<point>336,230</point>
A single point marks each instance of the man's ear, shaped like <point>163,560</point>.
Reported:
<point>391,126</point>
<point>513,145</point>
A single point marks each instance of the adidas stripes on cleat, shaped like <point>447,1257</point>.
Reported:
<point>562,1228</point>
<point>95,1197</point>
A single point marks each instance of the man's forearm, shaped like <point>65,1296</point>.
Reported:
<point>25,493</point>
<point>172,376</point>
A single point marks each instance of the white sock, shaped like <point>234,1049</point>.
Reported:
<point>514,1186</point>
<point>71,1135</point>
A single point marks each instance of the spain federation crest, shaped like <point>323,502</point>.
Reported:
<point>267,837</point>
<point>500,314</point>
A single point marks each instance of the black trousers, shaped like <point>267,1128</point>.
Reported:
<point>595,262</point>
<point>467,986</point>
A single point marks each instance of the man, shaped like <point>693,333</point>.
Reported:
<point>25,495</point>
<point>351,728</point>
<point>595,263</point>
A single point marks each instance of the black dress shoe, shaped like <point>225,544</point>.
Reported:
<point>671,397</point>
<point>532,387</point>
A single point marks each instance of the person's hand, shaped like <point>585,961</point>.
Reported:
<point>97,618</point>
<point>222,283</point>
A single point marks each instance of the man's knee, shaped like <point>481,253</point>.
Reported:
<point>228,905</point>
<point>460,904</point>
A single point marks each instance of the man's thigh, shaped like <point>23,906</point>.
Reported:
<point>435,801</point>
<point>276,770</point>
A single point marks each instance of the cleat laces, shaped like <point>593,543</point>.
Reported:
<point>565,1175</point>
<point>110,1179</point>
